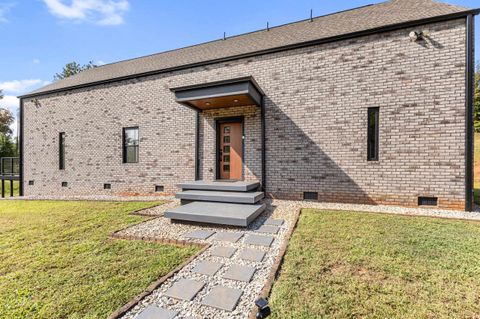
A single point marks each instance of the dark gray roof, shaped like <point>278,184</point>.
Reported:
<point>346,22</point>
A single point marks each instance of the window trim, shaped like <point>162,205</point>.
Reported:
<point>124,146</point>
<point>376,111</point>
<point>61,151</point>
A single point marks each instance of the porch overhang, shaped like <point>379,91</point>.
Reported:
<point>222,94</point>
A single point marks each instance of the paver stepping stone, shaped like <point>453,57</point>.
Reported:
<point>222,298</point>
<point>274,222</point>
<point>154,312</point>
<point>240,273</point>
<point>252,254</point>
<point>268,229</point>
<point>230,237</point>
<point>259,240</point>
<point>207,267</point>
<point>199,234</point>
<point>221,251</point>
<point>185,289</point>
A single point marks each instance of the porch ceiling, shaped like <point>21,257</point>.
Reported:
<point>214,95</point>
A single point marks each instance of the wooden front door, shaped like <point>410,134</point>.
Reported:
<point>231,151</point>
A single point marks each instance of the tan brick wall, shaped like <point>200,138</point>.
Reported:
<point>316,115</point>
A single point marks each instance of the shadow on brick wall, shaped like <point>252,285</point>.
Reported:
<point>297,164</point>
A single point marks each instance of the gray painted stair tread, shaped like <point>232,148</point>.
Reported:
<point>229,237</point>
<point>208,268</point>
<point>238,186</point>
<point>268,229</point>
<point>199,234</point>
<point>257,240</point>
<point>274,222</point>
<point>185,289</point>
<point>219,196</point>
<point>222,298</point>
<point>240,273</point>
<point>252,254</point>
<point>154,312</point>
<point>216,213</point>
<point>221,251</point>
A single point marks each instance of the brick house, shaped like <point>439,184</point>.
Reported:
<point>370,105</point>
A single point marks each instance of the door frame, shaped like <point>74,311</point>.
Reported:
<point>218,122</point>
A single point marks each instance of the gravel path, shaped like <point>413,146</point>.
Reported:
<point>277,209</point>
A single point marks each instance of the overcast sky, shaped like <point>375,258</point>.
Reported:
<point>40,36</point>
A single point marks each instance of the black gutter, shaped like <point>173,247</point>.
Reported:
<point>347,36</point>
<point>21,153</point>
<point>264,161</point>
<point>197,147</point>
<point>469,133</point>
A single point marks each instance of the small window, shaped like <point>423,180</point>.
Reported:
<point>130,145</point>
<point>226,139</point>
<point>226,129</point>
<point>372,147</point>
<point>226,149</point>
<point>64,184</point>
<point>159,188</point>
<point>107,186</point>
<point>61,150</point>
<point>31,183</point>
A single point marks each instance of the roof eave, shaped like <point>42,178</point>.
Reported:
<point>341,37</point>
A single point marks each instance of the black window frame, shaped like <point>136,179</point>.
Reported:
<point>373,134</point>
<point>61,150</point>
<point>124,146</point>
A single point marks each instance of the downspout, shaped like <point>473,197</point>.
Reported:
<point>197,147</point>
<point>264,172</point>
<point>21,153</point>
<point>469,127</point>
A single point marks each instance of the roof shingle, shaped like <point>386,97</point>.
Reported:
<point>360,19</point>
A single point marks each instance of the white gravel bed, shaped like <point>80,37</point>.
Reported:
<point>109,198</point>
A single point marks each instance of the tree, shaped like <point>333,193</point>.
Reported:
<point>477,99</point>
<point>6,119</point>
<point>73,68</point>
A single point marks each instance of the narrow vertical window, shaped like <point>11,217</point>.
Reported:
<point>372,147</point>
<point>130,145</point>
<point>61,150</point>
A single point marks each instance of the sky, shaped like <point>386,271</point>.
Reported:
<point>38,37</point>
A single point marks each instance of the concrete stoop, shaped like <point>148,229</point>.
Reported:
<point>222,203</point>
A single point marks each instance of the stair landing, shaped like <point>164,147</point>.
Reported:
<point>216,213</point>
<point>233,186</point>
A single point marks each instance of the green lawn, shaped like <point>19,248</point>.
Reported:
<point>7,188</point>
<point>56,260</point>
<point>361,265</point>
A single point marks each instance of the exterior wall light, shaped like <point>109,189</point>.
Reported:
<point>419,35</point>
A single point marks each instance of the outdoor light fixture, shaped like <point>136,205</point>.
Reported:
<point>419,35</point>
<point>207,104</point>
<point>235,101</point>
<point>263,308</point>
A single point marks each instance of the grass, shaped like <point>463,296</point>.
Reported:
<point>57,261</point>
<point>16,186</point>
<point>361,265</point>
<point>477,169</point>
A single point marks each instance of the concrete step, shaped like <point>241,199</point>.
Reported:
<point>216,213</point>
<point>224,197</point>
<point>226,186</point>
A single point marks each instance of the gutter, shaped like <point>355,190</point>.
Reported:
<point>347,36</point>
<point>469,101</point>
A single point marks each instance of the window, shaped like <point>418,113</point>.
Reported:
<point>372,147</point>
<point>158,188</point>
<point>107,186</point>
<point>61,150</point>
<point>130,145</point>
